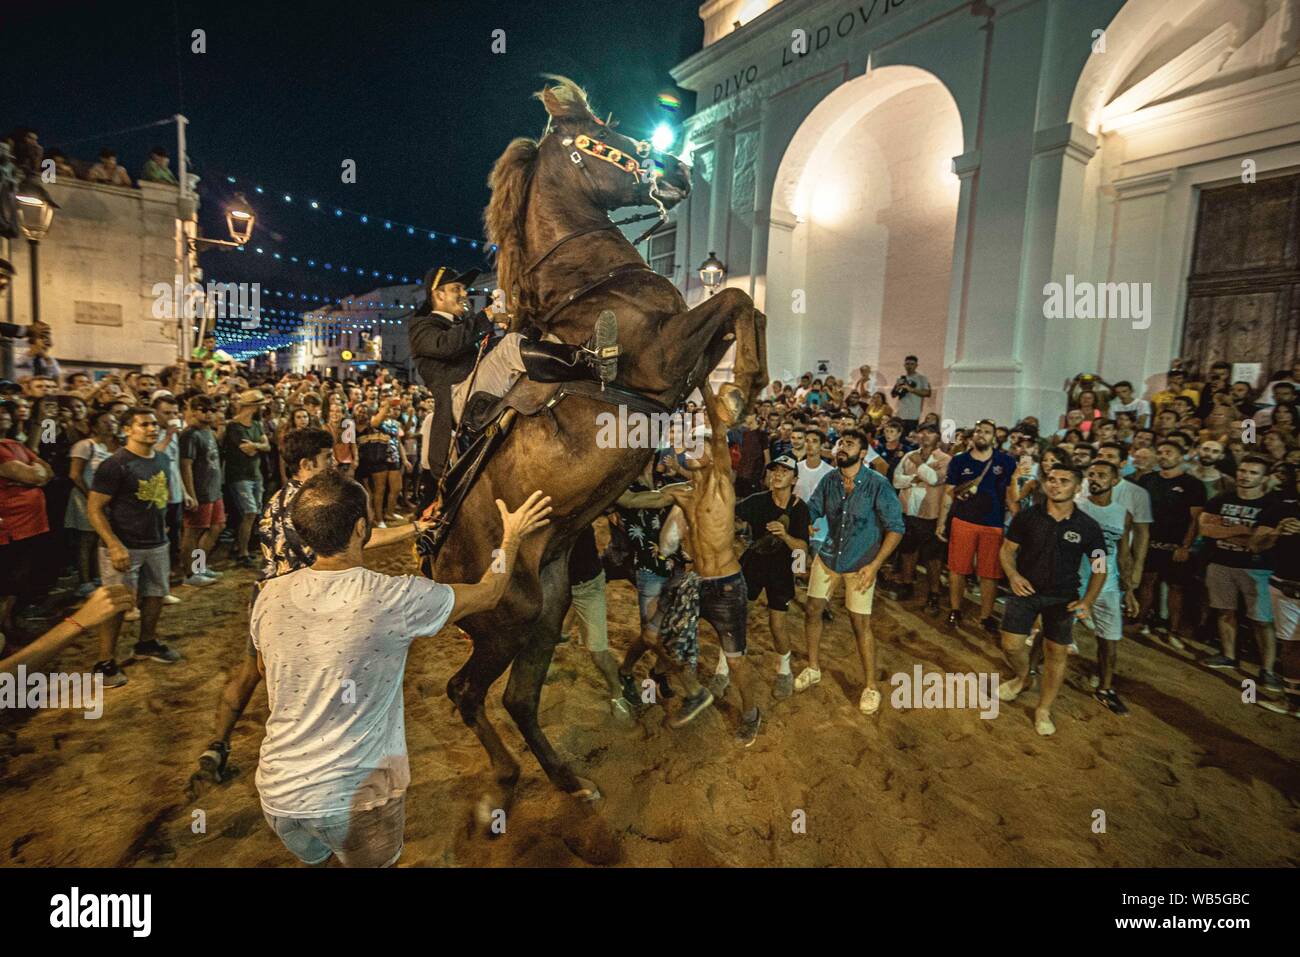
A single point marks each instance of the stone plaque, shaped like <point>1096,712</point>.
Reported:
<point>97,313</point>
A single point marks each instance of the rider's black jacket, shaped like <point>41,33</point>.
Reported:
<point>444,350</point>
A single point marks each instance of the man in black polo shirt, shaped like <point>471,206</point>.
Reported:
<point>1049,542</point>
<point>778,522</point>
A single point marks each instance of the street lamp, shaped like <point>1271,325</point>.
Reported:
<point>239,222</point>
<point>35,214</point>
<point>712,272</point>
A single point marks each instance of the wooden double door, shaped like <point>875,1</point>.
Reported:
<point>1243,302</point>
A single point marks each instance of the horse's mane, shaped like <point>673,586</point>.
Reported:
<point>504,216</point>
<point>511,174</point>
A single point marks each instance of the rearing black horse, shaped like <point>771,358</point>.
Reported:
<point>561,262</point>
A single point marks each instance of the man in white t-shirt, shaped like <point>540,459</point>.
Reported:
<point>1137,502</point>
<point>813,468</point>
<point>332,642</point>
<point>1125,402</point>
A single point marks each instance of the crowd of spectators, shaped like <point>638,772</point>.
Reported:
<point>84,503</point>
<point>160,477</point>
<point>23,150</point>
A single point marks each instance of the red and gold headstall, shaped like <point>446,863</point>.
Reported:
<point>602,150</point>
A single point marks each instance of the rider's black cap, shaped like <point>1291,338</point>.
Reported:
<point>442,276</point>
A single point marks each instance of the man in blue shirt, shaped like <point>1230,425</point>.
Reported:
<point>864,525</point>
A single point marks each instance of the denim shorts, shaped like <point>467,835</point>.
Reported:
<point>248,494</point>
<point>359,839</point>
<point>148,575</point>
<point>724,604</point>
<point>648,588</point>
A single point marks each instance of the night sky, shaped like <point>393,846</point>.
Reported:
<point>287,90</point>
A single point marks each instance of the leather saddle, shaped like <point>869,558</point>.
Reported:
<point>486,420</point>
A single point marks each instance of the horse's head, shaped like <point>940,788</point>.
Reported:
<point>612,169</point>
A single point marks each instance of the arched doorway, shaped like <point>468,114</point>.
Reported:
<point>864,208</point>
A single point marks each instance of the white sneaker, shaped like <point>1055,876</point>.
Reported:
<point>869,703</point>
<point>381,525</point>
<point>1044,726</point>
<point>807,678</point>
<point>170,599</point>
<point>200,581</point>
<point>132,615</point>
<point>210,573</point>
<point>1010,690</point>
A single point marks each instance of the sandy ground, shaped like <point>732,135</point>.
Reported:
<point>1192,777</point>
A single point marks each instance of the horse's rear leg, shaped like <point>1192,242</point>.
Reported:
<point>467,690</point>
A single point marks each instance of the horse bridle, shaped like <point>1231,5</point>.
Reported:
<point>641,174</point>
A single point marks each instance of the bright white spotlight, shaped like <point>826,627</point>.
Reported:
<point>663,137</point>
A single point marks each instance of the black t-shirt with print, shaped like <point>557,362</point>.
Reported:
<point>1235,510</point>
<point>137,486</point>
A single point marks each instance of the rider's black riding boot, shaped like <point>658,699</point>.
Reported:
<point>560,362</point>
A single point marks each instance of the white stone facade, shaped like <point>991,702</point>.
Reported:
<point>916,178</point>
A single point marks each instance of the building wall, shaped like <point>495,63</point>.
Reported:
<point>106,249</point>
<point>1086,130</point>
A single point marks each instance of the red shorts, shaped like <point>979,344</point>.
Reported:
<point>206,515</point>
<point>968,538</point>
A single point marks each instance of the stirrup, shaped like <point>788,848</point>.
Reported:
<point>605,347</point>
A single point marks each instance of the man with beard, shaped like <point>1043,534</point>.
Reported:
<point>1043,552</point>
<point>778,523</point>
<point>920,478</point>
<point>1116,596</point>
<point>977,483</point>
<point>1177,500</point>
<point>1209,454</point>
<point>1138,503</point>
<point>864,526</point>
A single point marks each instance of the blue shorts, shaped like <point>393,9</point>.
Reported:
<point>359,839</point>
<point>247,494</point>
<point>648,588</point>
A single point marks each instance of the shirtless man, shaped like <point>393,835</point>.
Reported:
<point>708,509</point>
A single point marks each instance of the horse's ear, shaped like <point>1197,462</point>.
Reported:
<point>564,100</point>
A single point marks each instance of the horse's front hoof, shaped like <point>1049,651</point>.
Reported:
<point>586,791</point>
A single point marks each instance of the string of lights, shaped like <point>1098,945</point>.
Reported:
<point>343,213</point>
